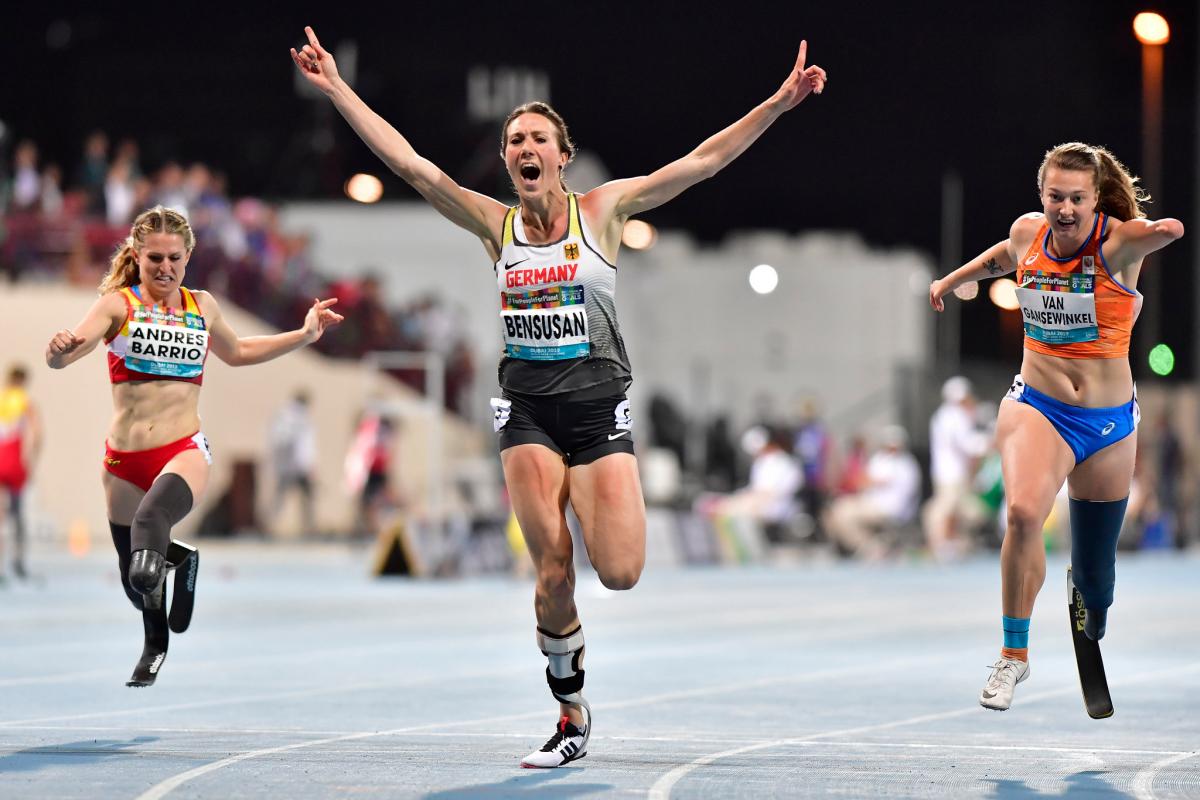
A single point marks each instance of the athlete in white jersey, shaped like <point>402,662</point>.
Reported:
<point>562,420</point>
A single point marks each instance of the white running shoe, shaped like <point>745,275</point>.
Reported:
<point>1006,674</point>
<point>566,745</point>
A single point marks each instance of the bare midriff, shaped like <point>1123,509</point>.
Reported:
<point>149,414</point>
<point>1086,382</point>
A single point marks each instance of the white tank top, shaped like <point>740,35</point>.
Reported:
<point>558,309</point>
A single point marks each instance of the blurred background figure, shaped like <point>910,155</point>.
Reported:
<point>761,512</point>
<point>863,523</point>
<point>368,468</point>
<point>956,445</point>
<point>813,446</point>
<point>26,182</point>
<point>20,441</point>
<point>293,449</point>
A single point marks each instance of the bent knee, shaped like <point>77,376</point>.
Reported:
<point>620,578</point>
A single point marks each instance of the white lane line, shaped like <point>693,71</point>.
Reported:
<point>1143,782</point>
<point>165,787</point>
<point>661,790</point>
<point>1169,756</point>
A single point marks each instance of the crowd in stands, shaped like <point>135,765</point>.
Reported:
<point>872,497</point>
<point>59,229</point>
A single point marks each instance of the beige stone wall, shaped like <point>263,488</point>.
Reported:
<point>236,407</point>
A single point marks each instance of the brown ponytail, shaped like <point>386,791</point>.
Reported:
<point>1118,194</point>
<point>123,269</point>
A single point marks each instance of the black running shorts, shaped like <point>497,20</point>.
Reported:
<point>581,426</point>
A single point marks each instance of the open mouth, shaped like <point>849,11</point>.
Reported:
<point>530,171</point>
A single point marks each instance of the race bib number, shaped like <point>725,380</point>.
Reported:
<point>545,325</point>
<point>1058,308</point>
<point>173,351</point>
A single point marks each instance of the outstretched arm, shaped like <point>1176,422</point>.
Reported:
<point>634,195</point>
<point>999,259</point>
<point>477,213</point>
<point>991,263</point>
<point>239,351</point>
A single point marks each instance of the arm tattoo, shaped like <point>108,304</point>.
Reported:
<point>992,267</point>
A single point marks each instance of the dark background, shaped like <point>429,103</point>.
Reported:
<point>916,90</point>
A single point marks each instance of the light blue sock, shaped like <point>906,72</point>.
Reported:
<point>1016,632</point>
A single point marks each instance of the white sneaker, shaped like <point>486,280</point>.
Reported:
<point>567,744</point>
<point>997,694</point>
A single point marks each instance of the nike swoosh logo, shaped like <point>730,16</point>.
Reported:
<point>512,264</point>
<point>612,436</point>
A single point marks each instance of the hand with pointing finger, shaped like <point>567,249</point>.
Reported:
<point>801,82</point>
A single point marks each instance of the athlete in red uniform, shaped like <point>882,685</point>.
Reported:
<point>157,461</point>
<point>20,441</point>
<point>1071,414</point>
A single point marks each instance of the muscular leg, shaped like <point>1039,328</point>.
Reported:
<point>537,483</point>
<point>607,497</point>
<point>1035,462</point>
<point>1099,490</point>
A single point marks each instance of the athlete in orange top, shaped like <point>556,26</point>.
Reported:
<point>1077,264</point>
<point>156,464</point>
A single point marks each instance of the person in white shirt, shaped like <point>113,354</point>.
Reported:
<point>889,499</point>
<point>955,446</point>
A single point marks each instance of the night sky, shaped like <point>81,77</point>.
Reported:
<point>913,93</point>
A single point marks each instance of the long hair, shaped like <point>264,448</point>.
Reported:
<point>1118,192</point>
<point>123,269</point>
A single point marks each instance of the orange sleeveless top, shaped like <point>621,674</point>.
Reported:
<point>1073,307</point>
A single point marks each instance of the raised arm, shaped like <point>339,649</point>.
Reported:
<point>999,259</point>
<point>69,345</point>
<point>624,198</point>
<point>477,213</point>
<point>239,351</point>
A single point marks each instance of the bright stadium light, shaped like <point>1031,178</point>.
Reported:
<point>1003,292</point>
<point>364,188</point>
<point>1151,28</point>
<point>968,291</point>
<point>638,235</point>
<point>1162,360</point>
<point>764,279</point>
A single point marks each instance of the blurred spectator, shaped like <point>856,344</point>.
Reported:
<point>368,466</point>
<point>293,449</point>
<point>668,428</point>
<point>887,500</point>
<point>763,509</point>
<point>813,446</point>
<point>720,456</point>
<point>955,447</point>
<point>853,474</point>
<point>169,189</point>
<point>93,172</point>
<point>51,203</point>
<point>120,196</point>
<point>1170,479</point>
<point>27,184</point>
